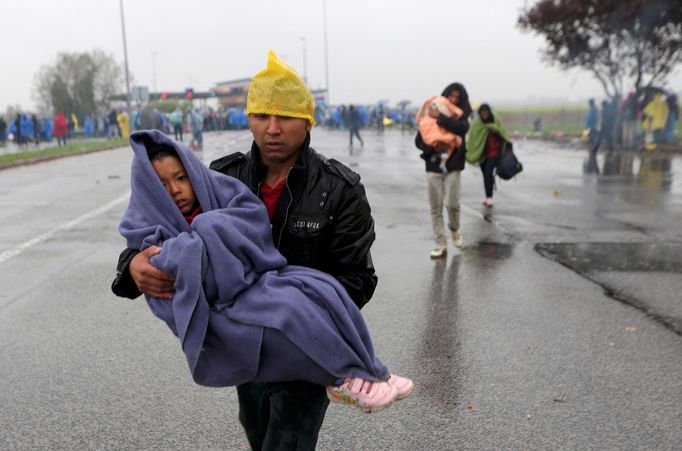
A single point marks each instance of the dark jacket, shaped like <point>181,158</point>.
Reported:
<point>354,119</point>
<point>460,127</point>
<point>608,118</point>
<point>322,220</point>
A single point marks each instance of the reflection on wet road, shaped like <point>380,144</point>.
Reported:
<point>652,172</point>
<point>439,344</point>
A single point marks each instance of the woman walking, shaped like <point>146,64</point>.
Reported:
<point>486,140</point>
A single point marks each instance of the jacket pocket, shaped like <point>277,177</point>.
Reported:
<point>306,238</point>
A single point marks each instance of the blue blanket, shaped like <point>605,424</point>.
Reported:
<point>232,283</point>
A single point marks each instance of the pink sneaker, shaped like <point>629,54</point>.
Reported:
<point>365,395</point>
<point>403,385</point>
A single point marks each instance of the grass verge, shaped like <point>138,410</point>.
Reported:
<point>30,156</point>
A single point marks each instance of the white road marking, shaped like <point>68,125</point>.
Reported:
<point>4,256</point>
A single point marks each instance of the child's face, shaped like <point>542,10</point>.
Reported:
<point>176,182</point>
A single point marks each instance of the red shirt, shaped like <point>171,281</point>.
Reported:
<point>190,217</point>
<point>492,148</point>
<point>271,196</point>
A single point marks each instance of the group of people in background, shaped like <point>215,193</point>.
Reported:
<point>448,138</point>
<point>377,116</point>
<point>450,133</point>
<point>30,128</point>
<point>24,128</point>
<point>639,121</point>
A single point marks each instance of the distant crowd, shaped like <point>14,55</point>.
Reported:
<point>379,116</point>
<point>25,128</point>
<point>639,121</point>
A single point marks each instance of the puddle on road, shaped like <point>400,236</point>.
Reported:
<point>491,250</point>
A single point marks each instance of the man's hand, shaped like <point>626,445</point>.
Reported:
<point>148,278</point>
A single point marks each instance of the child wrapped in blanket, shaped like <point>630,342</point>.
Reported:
<point>241,313</point>
<point>434,135</point>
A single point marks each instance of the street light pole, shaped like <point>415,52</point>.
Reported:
<point>154,70</point>
<point>125,56</point>
<point>305,62</point>
<point>326,51</point>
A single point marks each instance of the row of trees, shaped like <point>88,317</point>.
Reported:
<point>625,44</point>
<point>80,83</point>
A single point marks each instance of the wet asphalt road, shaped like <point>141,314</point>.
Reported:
<point>557,326</point>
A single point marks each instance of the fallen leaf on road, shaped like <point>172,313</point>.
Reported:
<point>469,405</point>
<point>556,193</point>
<point>631,329</point>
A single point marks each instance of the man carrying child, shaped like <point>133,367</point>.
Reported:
<point>320,218</point>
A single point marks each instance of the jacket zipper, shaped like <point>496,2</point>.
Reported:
<point>286,214</point>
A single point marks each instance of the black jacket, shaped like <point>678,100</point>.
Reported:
<point>430,155</point>
<point>460,127</point>
<point>322,220</point>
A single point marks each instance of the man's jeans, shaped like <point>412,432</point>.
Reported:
<point>443,190</point>
<point>282,415</point>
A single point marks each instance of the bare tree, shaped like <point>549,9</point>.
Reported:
<point>633,43</point>
<point>78,82</point>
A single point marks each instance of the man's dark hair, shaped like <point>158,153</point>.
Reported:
<point>157,152</point>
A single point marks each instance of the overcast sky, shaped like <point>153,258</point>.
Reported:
<point>377,49</point>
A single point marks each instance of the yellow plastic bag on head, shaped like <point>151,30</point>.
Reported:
<point>279,90</point>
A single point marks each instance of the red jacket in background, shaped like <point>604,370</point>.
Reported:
<point>59,129</point>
